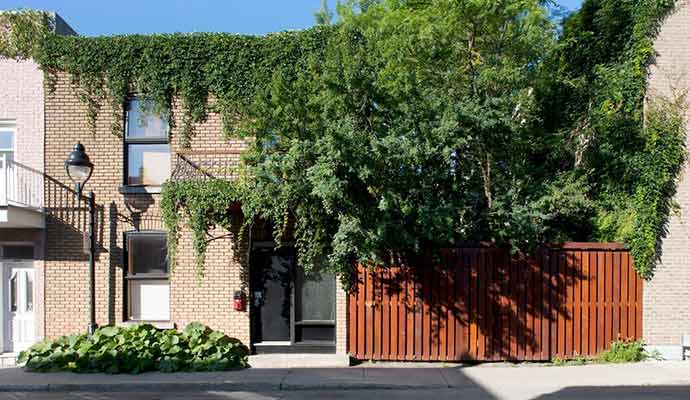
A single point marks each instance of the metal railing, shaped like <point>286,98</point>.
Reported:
<point>204,166</point>
<point>20,185</point>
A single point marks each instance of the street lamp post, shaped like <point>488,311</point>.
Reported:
<point>79,169</point>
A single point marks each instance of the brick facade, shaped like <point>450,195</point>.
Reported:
<point>208,300</point>
<point>21,104</point>
<point>667,295</point>
<point>21,100</point>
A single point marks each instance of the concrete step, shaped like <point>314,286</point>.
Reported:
<point>8,360</point>
<point>299,360</point>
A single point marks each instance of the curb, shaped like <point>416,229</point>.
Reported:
<point>207,386</point>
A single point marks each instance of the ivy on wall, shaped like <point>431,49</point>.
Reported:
<point>532,139</point>
<point>630,143</point>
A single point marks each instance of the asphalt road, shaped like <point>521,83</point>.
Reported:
<point>589,393</point>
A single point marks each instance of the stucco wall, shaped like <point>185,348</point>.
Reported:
<point>667,295</point>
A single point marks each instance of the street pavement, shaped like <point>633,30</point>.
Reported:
<point>649,380</point>
<point>627,393</point>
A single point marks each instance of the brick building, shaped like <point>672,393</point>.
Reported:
<point>134,282</point>
<point>667,295</point>
<point>43,246</point>
<point>22,234</point>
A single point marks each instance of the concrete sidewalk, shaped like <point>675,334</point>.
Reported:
<point>498,380</point>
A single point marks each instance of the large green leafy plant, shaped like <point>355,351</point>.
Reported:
<point>138,349</point>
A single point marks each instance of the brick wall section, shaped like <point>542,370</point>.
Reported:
<point>666,296</point>
<point>21,99</point>
<point>208,300</point>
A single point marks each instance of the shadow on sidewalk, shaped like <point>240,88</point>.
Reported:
<point>660,392</point>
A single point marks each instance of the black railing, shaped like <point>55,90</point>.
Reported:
<point>206,165</point>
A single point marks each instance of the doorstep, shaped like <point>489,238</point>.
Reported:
<point>8,360</point>
<point>299,360</point>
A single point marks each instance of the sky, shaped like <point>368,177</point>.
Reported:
<point>109,17</point>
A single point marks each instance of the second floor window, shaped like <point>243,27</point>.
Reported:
<point>7,131</point>
<point>147,145</point>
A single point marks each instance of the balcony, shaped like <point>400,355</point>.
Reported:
<point>21,195</point>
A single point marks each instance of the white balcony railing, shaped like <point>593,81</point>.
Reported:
<point>20,185</point>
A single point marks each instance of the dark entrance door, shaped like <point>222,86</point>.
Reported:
<point>290,311</point>
<point>271,283</point>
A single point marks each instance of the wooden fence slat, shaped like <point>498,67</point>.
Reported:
<point>411,315</point>
<point>608,326</point>
<point>577,287</point>
<point>585,304</point>
<point>369,316</point>
<point>450,303</point>
<point>570,303</point>
<point>482,304</point>
<point>593,321</point>
<point>443,318</point>
<point>395,321</point>
<point>616,331</point>
<point>385,315</point>
<point>554,304</point>
<point>624,296</point>
<point>601,300</point>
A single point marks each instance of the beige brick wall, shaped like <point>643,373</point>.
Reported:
<point>667,295</point>
<point>208,300</point>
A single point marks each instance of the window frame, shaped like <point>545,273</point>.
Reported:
<point>141,140</point>
<point>128,276</point>
<point>10,126</point>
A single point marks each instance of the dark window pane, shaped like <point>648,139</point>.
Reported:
<point>148,254</point>
<point>29,291</point>
<point>14,281</point>
<point>142,123</point>
<point>315,297</point>
<point>306,333</point>
<point>148,164</point>
<point>18,252</point>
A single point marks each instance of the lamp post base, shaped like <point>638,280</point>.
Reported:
<point>92,328</point>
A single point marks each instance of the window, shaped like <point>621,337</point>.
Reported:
<point>147,147</point>
<point>147,286</point>
<point>18,252</point>
<point>7,136</point>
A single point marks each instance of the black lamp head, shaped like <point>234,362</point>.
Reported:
<point>78,166</point>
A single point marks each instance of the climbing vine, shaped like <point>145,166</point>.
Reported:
<point>193,68</point>
<point>407,125</point>
<point>632,154</point>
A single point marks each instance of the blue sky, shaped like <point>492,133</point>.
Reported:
<point>98,17</point>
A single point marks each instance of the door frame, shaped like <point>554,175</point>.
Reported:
<point>293,346</point>
<point>5,314</point>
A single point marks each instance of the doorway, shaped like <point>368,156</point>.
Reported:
<point>291,311</point>
<point>19,303</point>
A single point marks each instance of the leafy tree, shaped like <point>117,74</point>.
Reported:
<point>419,128</point>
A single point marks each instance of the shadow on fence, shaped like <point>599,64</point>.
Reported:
<point>483,304</point>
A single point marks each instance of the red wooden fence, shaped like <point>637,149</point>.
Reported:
<point>481,304</point>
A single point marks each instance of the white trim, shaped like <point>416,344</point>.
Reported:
<point>274,343</point>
